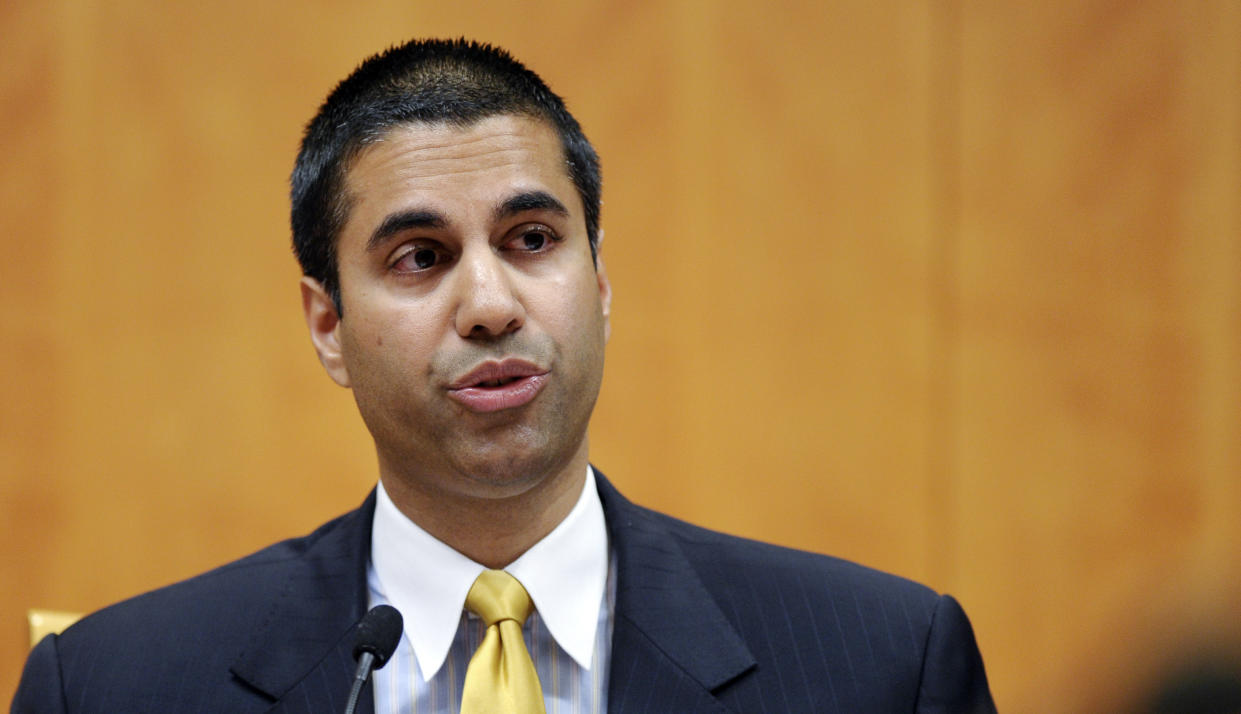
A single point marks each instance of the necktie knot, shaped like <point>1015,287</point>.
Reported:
<point>497,596</point>
<point>501,678</point>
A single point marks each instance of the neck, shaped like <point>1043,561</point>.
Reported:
<point>491,524</point>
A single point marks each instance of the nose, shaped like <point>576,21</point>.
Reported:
<point>487,304</point>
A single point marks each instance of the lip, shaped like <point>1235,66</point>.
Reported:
<point>522,383</point>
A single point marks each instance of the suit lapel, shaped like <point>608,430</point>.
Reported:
<point>302,656</point>
<point>672,647</point>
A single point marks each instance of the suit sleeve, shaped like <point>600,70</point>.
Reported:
<point>953,678</point>
<point>39,691</point>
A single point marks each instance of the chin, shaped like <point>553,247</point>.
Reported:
<point>510,471</point>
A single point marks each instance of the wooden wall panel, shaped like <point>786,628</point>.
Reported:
<point>796,322</point>
<point>1096,380</point>
<point>28,348</point>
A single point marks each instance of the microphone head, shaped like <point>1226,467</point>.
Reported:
<point>378,632</point>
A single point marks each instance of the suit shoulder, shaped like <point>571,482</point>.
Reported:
<point>227,599</point>
<point>723,561</point>
<point>729,558</point>
<point>179,646</point>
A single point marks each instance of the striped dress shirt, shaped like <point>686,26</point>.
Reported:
<point>570,578</point>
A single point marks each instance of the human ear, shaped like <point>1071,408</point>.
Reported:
<point>324,323</point>
<point>605,293</point>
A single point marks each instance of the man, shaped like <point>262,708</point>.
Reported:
<point>446,216</point>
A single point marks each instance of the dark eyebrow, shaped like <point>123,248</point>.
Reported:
<point>529,201</point>
<point>404,220</point>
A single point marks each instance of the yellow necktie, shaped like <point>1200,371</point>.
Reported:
<point>501,677</point>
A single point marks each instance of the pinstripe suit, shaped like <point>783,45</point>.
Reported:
<point>704,623</point>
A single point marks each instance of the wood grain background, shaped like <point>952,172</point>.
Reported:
<point>951,288</point>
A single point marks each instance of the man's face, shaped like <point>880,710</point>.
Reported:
<point>474,320</point>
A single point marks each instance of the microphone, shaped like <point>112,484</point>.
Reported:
<point>378,633</point>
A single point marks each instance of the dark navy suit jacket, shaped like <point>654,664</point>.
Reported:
<point>704,622</point>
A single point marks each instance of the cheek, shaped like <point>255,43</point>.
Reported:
<point>384,344</point>
<point>568,306</point>
<point>413,333</point>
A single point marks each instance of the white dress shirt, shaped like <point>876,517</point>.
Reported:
<point>567,575</point>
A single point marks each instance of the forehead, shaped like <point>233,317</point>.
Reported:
<point>455,168</point>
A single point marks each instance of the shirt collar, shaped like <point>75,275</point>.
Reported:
<point>565,574</point>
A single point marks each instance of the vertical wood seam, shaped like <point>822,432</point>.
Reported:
<point>944,196</point>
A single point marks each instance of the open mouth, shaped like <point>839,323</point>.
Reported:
<point>495,386</point>
<point>491,383</point>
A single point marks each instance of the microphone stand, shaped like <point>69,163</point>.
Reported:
<point>365,663</point>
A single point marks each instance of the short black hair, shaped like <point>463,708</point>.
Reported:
<point>458,82</point>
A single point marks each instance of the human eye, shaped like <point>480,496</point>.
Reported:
<point>531,238</point>
<point>419,258</point>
